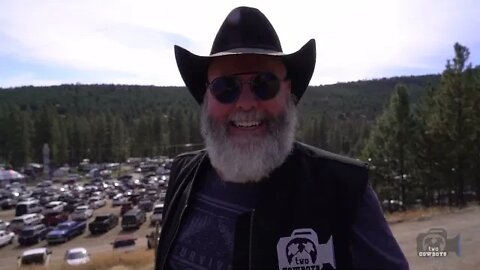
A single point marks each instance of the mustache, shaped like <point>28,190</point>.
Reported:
<point>255,115</point>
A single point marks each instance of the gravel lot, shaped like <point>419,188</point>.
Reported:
<point>465,222</point>
<point>94,244</point>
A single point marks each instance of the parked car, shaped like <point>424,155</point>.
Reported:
<point>8,202</point>
<point>146,205</point>
<point>45,184</point>
<point>6,238</point>
<point>157,214</point>
<point>124,243</point>
<point>32,234</point>
<point>133,219</point>
<point>28,207</point>
<point>125,208</point>
<point>82,212</point>
<point>77,256</point>
<point>66,231</point>
<point>18,223</point>
<point>52,219</point>
<point>118,200</point>
<point>39,256</point>
<point>103,223</point>
<point>72,205</point>
<point>96,202</point>
<point>392,205</point>
<point>4,225</point>
<point>55,206</point>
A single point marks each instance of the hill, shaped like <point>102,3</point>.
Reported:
<point>335,117</point>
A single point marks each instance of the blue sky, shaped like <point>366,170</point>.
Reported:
<point>47,42</point>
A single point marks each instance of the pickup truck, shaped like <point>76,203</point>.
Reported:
<point>103,223</point>
<point>65,231</point>
<point>6,238</point>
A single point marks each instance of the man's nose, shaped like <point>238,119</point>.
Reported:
<point>247,99</point>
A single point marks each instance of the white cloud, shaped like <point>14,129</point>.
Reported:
<point>355,39</point>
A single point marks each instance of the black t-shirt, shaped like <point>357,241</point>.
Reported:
<point>206,235</point>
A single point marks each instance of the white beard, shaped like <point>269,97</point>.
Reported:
<point>253,158</point>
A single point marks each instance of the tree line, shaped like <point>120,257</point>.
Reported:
<point>420,133</point>
<point>430,152</point>
<point>107,123</point>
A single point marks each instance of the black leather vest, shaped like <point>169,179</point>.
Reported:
<point>313,189</point>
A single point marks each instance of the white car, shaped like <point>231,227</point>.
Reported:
<point>119,200</point>
<point>54,207</point>
<point>82,212</point>
<point>6,238</point>
<point>18,223</point>
<point>38,256</point>
<point>96,202</point>
<point>77,256</point>
<point>157,214</point>
<point>4,225</point>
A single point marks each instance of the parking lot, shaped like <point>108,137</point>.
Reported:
<point>93,243</point>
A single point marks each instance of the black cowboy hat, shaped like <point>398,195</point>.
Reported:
<point>246,31</point>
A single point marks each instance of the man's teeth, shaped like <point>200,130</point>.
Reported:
<point>246,124</point>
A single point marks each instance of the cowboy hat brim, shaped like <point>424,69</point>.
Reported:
<point>194,68</point>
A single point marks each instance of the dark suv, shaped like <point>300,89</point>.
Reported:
<point>133,219</point>
<point>103,223</point>
<point>32,234</point>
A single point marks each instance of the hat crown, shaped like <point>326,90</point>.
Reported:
<point>246,27</point>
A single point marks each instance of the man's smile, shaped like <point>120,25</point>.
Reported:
<point>245,128</point>
<point>246,124</point>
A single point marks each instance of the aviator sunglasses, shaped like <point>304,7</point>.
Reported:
<point>227,89</point>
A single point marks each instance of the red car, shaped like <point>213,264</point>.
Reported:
<point>54,218</point>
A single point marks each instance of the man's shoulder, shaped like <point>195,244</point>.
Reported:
<point>190,154</point>
<point>187,157</point>
<point>322,155</point>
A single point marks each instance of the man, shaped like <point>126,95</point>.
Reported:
<point>255,198</point>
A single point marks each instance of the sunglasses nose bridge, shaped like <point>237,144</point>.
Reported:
<point>247,98</point>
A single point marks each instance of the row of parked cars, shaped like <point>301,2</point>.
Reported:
<point>73,256</point>
<point>31,229</point>
<point>42,256</point>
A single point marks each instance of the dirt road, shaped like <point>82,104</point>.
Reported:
<point>466,223</point>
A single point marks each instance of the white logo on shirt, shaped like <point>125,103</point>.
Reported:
<point>301,250</point>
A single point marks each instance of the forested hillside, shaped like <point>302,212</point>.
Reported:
<point>112,122</point>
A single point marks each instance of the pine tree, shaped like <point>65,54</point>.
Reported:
<point>426,155</point>
<point>55,138</point>
<point>454,118</point>
<point>388,147</point>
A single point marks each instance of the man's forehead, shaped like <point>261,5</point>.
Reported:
<point>246,62</point>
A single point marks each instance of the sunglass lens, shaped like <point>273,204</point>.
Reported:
<point>225,89</point>
<point>266,85</point>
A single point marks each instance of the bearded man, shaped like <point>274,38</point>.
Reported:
<point>255,198</point>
